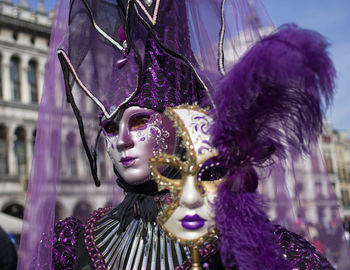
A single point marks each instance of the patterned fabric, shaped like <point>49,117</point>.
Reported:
<point>65,238</point>
<point>165,81</point>
<point>129,250</point>
<point>295,248</point>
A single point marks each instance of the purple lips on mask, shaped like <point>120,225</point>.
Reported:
<point>127,161</point>
<point>194,222</point>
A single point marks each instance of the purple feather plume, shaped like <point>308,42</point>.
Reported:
<point>275,98</point>
<point>246,235</point>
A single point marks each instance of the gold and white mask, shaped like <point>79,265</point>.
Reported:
<point>189,217</point>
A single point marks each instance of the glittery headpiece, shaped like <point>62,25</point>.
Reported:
<point>139,55</point>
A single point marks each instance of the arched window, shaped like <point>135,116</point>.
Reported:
<point>71,155</point>
<point>1,94</point>
<point>59,211</point>
<point>14,209</point>
<point>33,81</point>
<point>14,78</point>
<point>20,150</point>
<point>3,150</point>
<point>82,210</point>
<point>101,159</point>
<point>33,139</point>
<point>328,160</point>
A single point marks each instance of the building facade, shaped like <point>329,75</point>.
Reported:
<point>24,41</point>
<point>24,44</point>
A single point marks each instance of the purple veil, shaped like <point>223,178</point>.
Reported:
<point>91,50</point>
<point>60,182</point>
<point>41,194</point>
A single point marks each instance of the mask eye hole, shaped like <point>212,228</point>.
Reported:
<point>170,172</point>
<point>211,170</point>
<point>139,122</point>
<point>110,128</point>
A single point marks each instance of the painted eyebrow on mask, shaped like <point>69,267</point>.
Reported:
<point>139,120</point>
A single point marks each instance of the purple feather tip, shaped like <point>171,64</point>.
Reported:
<point>275,98</point>
<point>246,234</point>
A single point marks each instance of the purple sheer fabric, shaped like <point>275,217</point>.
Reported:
<point>217,37</point>
<point>221,31</point>
<point>300,197</point>
<point>41,194</point>
<point>60,182</point>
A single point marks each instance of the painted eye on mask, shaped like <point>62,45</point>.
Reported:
<point>110,128</point>
<point>139,122</point>
<point>211,171</point>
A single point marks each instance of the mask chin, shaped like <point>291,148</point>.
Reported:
<point>146,187</point>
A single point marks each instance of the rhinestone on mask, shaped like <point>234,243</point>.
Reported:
<point>148,2</point>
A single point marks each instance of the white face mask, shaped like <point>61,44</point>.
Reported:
<point>140,134</point>
<point>190,215</point>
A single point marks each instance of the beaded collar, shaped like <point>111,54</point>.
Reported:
<point>109,249</point>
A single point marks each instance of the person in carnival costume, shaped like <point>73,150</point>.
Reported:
<point>134,59</point>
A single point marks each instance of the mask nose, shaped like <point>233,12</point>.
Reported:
<point>124,139</point>
<point>190,197</point>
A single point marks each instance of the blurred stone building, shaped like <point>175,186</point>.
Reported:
<point>24,44</point>
<point>24,41</point>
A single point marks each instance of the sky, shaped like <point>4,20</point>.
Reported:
<point>329,17</point>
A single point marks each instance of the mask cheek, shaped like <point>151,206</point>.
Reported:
<point>211,198</point>
<point>111,148</point>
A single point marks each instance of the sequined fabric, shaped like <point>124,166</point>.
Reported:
<point>64,242</point>
<point>295,248</point>
<point>300,252</point>
<point>167,81</point>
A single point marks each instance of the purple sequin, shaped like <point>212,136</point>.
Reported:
<point>303,255</point>
<point>64,243</point>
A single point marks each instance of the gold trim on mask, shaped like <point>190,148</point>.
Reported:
<point>188,167</point>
